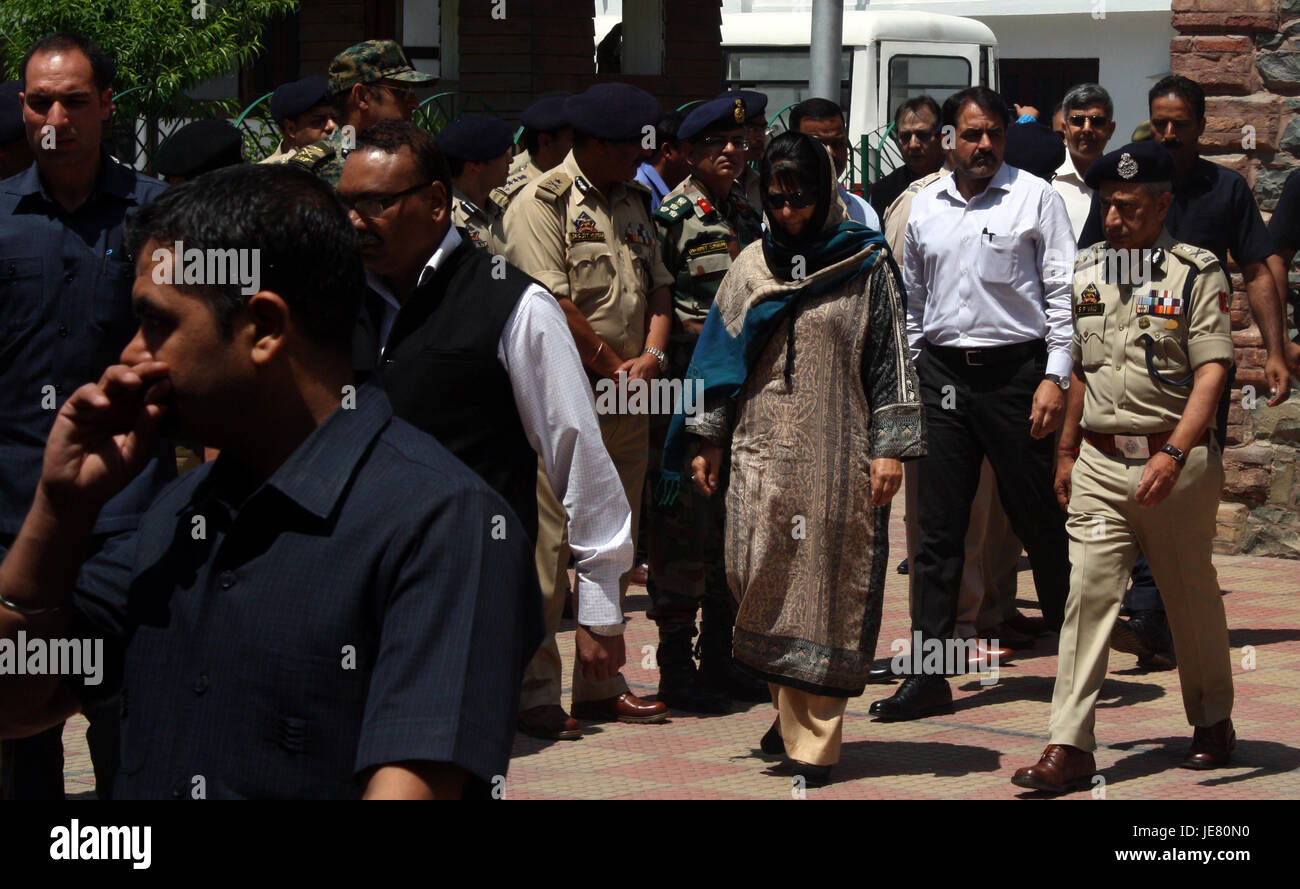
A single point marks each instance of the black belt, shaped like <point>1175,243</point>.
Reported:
<point>986,357</point>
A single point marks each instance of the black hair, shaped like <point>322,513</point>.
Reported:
<point>101,66</point>
<point>390,136</point>
<point>801,158</point>
<point>1184,88</point>
<point>814,109</point>
<point>914,105</point>
<point>982,97</point>
<point>308,250</point>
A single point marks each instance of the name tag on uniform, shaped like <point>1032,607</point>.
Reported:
<point>1134,447</point>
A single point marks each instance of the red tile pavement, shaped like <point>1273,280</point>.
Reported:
<point>970,753</point>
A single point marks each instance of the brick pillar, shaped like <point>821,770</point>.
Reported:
<point>1246,55</point>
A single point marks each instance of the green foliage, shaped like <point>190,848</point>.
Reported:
<point>161,47</point>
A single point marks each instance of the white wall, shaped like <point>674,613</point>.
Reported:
<point>1132,49</point>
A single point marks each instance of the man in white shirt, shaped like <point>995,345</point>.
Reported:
<point>987,260</point>
<point>824,120</point>
<point>1089,120</point>
<point>485,362</point>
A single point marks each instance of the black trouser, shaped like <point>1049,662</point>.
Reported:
<point>972,412</point>
<point>32,768</point>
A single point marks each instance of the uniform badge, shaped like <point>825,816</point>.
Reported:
<point>636,233</point>
<point>1159,302</point>
<point>1144,322</point>
<point>704,205</point>
<point>475,239</point>
<point>582,184</point>
<point>1171,324</point>
<point>1089,302</point>
<point>1128,168</point>
<point>584,229</point>
<point>1224,300</point>
<point>738,113</point>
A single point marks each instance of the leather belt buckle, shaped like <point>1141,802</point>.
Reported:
<point>969,353</point>
<point>1133,447</point>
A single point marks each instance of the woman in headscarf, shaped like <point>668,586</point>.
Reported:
<point>809,382</point>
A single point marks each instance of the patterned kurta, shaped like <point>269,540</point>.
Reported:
<point>805,551</point>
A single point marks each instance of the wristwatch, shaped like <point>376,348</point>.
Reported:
<point>1063,382</point>
<point>659,356</point>
<point>1180,457</point>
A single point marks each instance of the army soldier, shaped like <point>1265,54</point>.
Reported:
<point>702,225</point>
<point>368,82</point>
<point>478,153</point>
<point>583,231</point>
<point>1137,463</point>
<point>756,135</point>
<point>301,109</point>
<point>547,137</point>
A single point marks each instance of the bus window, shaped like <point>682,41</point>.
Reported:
<point>782,74</point>
<point>937,76</point>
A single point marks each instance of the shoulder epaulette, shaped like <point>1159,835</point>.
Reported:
<point>1202,259</point>
<point>1090,255</point>
<point>675,209</point>
<point>917,186</point>
<point>554,186</point>
<point>312,156</point>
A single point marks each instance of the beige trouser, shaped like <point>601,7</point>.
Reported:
<point>812,726</point>
<point>626,440</point>
<point>1106,528</point>
<point>988,578</point>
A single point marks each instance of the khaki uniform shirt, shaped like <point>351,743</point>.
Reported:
<point>1183,308</point>
<point>700,236</point>
<point>485,224</point>
<point>895,221</point>
<point>280,156</point>
<point>519,161</point>
<point>598,251</point>
<point>515,183</point>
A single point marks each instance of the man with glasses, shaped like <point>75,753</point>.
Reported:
<point>1089,116</point>
<point>583,231</point>
<point>755,133</point>
<point>369,82</point>
<point>916,129</point>
<point>824,121</point>
<point>703,224</point>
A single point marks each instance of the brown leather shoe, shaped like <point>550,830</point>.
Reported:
<point>549,722</point>
<point>1211,746</point>
<point>627,707</point>
<point>1061,769</point>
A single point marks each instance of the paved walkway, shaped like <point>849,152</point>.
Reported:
<point>970,753</point>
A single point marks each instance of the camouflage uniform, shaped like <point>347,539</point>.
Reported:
<point>700,237</point>
<point>324,157</point>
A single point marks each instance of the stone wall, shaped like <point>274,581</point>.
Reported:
<point>1246,54</point>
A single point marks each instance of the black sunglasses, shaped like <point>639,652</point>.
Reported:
<point>798,201</point>
<point>1098,120</point>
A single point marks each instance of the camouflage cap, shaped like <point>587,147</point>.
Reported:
<point>370,61</point>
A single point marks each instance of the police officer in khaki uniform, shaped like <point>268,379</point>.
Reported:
<point>548,139</point>
<point>478,153</point>
<point>584,232</point>
<point>1138,464</point>
<point>703,224</point>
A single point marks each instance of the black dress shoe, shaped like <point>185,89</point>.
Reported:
<point>903,567</point>
<point>813,776</point>
<point>772,744</point>
<point>881,676</point>
<point>918,696</point>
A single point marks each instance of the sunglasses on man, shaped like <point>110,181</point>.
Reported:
<point>1098,120</point>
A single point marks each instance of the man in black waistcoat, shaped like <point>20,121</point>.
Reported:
<point>475,352</point>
